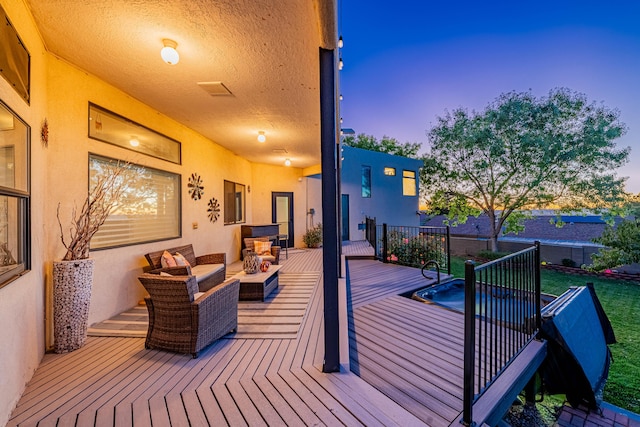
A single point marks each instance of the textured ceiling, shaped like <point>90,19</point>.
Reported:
<point>264,52</point>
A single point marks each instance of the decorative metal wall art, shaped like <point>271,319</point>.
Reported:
<point>196,189</point>
<point>213,210</point>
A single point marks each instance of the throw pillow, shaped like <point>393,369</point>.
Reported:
<point>167,260</point>
<point>181,260</point>
<point>262,248</point>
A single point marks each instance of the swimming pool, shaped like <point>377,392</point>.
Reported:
<point>500,304</point>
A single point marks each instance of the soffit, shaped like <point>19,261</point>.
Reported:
<point>264,52</point>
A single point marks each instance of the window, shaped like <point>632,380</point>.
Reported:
<point>150,208</point>
<point>233,203</point>
<point>408,183</point>
<point>390,171</point>
<point>15,252</point>
<point>366,181</point>
<point>15,61</point>
<point>112,128</point>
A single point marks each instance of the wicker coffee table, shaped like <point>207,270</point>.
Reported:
<point>259,285</point>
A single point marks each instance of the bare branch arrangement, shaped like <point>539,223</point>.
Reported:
<point>104,196</point>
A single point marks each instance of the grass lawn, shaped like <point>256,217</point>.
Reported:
<point>621,302</point>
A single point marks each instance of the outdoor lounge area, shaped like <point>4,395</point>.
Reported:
<point>236,129</point>
<point>401,372</point>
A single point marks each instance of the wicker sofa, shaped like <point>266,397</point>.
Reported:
<point>210,270</point>
<point>183,320</point>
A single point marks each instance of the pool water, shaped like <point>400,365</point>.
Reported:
<point>498,304</point>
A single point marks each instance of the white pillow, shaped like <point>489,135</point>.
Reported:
<point>181,260</point>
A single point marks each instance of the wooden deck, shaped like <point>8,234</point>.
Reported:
<point>275,381</point>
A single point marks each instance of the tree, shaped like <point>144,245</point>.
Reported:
<point>622,243</point>
<point>386,145</point>
<point>523,153</point>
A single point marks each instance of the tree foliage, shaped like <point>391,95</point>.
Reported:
<point>522,153</point>
<point>385,145</point>
<point>622,243</point>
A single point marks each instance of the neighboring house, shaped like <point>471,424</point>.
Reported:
<point>574,240</point>
<point>377,185</point>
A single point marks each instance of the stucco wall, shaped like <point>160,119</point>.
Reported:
<point>22,301</point>
<point>267,179</point>
<point>115,286</point>
<point>387,203</point>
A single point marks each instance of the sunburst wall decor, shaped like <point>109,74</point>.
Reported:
<point>196,189</point>
<point>213,210</point>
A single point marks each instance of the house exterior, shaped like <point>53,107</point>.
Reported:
<point>377,185</point>
<point>204,114</point>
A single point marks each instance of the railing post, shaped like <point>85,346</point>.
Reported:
<point>374,237</point>
<point>469,341</point>
<point>448,250</point>
<point>384,243</point>
<point>538,286</point>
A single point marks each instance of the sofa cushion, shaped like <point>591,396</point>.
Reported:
<point>167,260</point>
<point>181,260</point>
<point>269,258</point>
<point>262,248</point>
<point>204,271</point>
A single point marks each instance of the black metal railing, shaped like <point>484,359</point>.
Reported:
<point>502,315</point>
<point>370,231</point>
<point>413,246</point>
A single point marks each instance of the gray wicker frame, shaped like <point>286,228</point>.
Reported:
<point>153,258</point>
<point>179,323</point>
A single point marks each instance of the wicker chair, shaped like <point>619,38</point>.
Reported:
<point>249,243</point>
<point>180,323</point>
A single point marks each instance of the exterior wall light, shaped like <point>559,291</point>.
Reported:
<point>169,53</point>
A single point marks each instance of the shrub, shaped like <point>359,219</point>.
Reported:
<point>489,255</point>
<point>313,237</point>
<point>568,262</point>
<point>414,250</point>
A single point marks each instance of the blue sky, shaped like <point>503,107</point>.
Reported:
<point>407,62</point>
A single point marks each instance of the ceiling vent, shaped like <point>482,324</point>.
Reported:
<point>280,151</point>
<point>215,88</point>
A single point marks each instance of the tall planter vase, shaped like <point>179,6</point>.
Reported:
<point>72,282</point>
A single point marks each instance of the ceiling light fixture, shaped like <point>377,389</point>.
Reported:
<point>134,141</point>
<point>169,53</point>
<point>287,162</point>
<point>261,136</point>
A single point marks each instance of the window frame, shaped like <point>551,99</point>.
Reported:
<point>178,198</point>
<point>23,217</point>
<point>413,179</point>
<point>228,203</point>
<point>365,188</point>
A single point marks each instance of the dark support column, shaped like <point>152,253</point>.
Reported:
<point>330,214</point>
<point>530,391</point>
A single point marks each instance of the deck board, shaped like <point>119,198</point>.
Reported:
<point>275,379</point>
